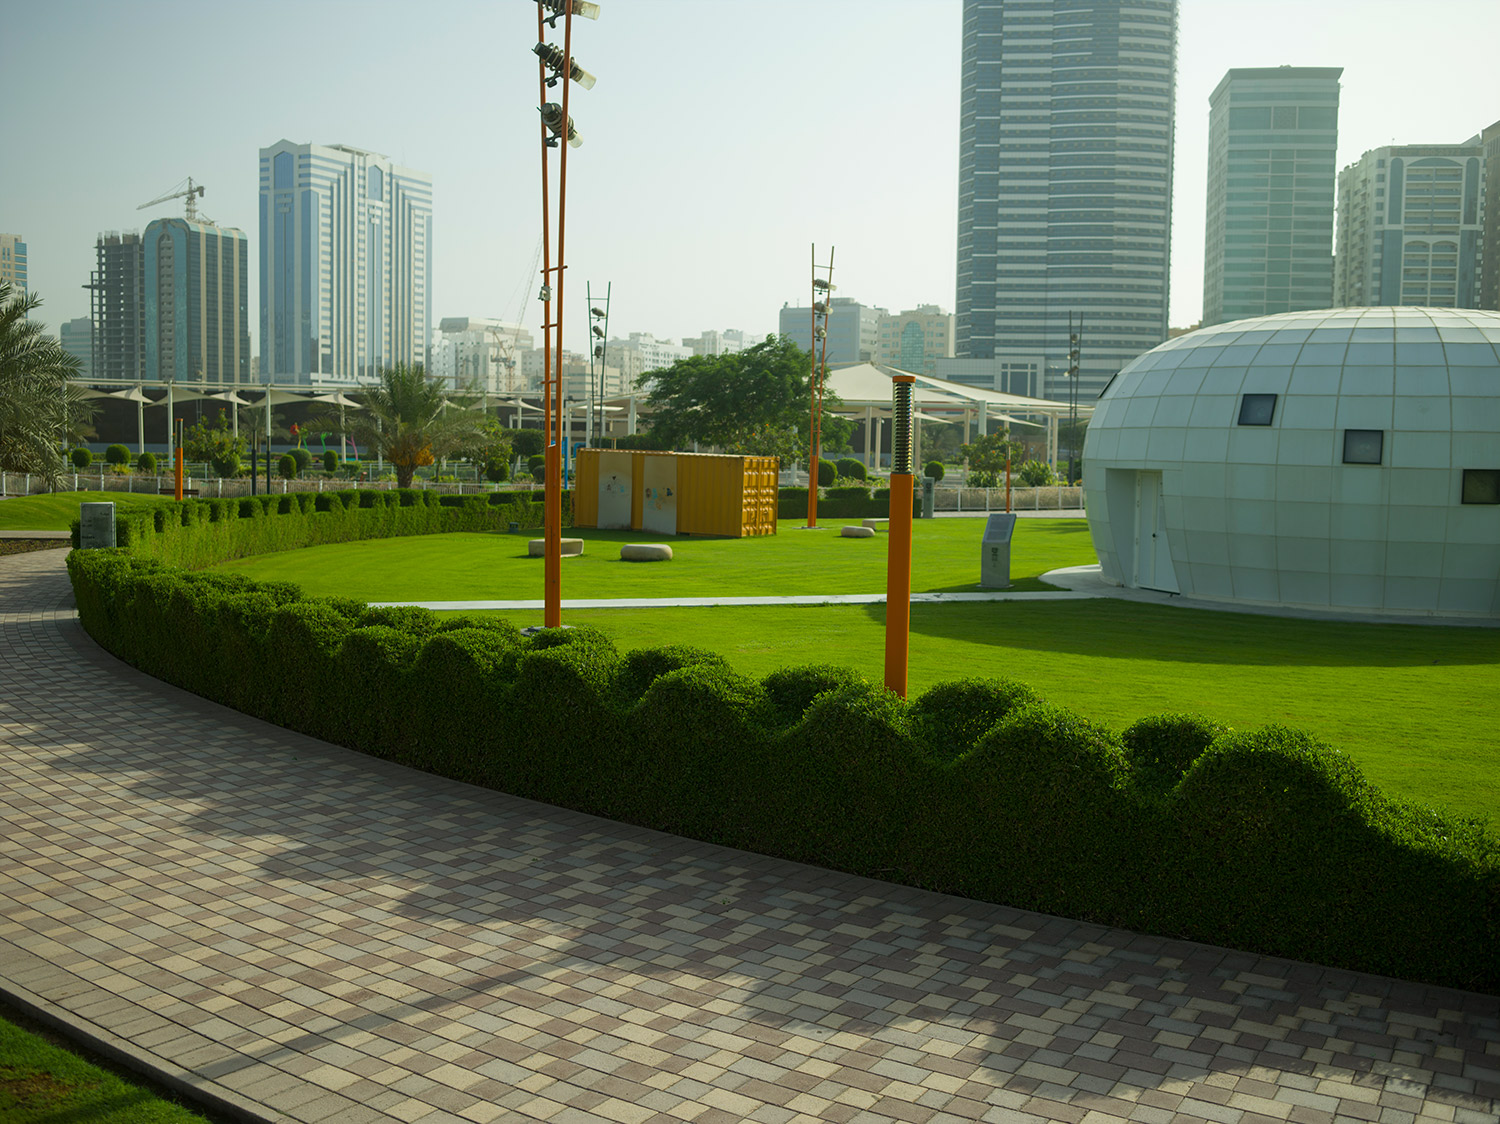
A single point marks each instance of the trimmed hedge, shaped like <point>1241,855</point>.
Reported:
<point>841,503</point>
<point>1266,840</point>
<point>194,533</point>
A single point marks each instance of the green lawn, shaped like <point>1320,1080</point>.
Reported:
<point>1411,703</point>
<point>491,567</point>
<point>56,511</point>
<point>44,1084</point>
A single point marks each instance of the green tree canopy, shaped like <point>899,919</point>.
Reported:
<point>753,402</point>
<point>41,412</point>
<point>987,455</point>
<point>407,420</point>
<point>217,443</point>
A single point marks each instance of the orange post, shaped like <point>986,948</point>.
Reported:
<point>177,473</point>
<point>898,557</point>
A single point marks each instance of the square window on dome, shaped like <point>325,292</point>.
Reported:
<point>1257,409</point>
<point>1481,485</point>
<point>1363,446</point>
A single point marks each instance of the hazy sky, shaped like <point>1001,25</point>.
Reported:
<point>723,137</point>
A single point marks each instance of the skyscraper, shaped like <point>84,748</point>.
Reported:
<point>1409,227</point>
<point>345,263</point>
<point>77,339</point>
<point>1272,147</point>
<point>197,296</point>
<point>119,306</point>
<point>853,329</point>
<point>1065,181</point>
<point>13,263</point>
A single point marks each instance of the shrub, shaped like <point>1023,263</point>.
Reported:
<point>790,691</point>
<point>851,469</point>
<point>849,492</point>
<point>1162,748</point>
<point>497,470</point>
<point>642,667</point>
<point>528,442</point>
<point>933,469</point>
<point>1036,474</point>
<point>286,466</point>
<point>827,473</point>
<point>536,461</point>
<point>330,461</point>
<point>146,462</point>
<point>303,458</point>
<point>951,718</point>
<point>117,454</point>
<point>81,457</point>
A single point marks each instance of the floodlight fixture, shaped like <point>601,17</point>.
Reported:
<point>552,55</point>
<point>598,351</point>
<point>558,8</point>
<point>599,312</point>
<point>820,308</point>
<point>821,333</point>
<point>823,286</point>
<point>598,331</point>
<point>545,294</point>
<point>552,117</point>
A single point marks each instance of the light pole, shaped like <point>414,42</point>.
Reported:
<point>555,64</point>
<point>822,297</point>
<point>598,351</point>
<point>1073,336</point>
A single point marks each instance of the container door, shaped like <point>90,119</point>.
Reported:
<point>659,495</point>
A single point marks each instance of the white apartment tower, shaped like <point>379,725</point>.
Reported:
<point>345,263</point>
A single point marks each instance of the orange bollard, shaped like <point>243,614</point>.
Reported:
<point>177,432</point>
<point>898,556</point>
<point>552,547</point>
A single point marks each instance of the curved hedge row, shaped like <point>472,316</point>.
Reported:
<point>1264,840</point>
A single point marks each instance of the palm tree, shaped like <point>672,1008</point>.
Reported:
<point>407,420</point>
<point>41,412</point>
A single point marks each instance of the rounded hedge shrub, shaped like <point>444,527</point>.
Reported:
<point>286,466</point>
<point>951,718</point>
<point>146,462</point>
<point>933,469</point>
<point>536,461</point>
<point>1163,747</point>
<point>1037,474</point>
<point>302,457</point>
<point>117,454</point>
<point>851,469</point>
<point>81,457</point>
<point>330,461</point>
<point>497,470</point>
<point>827,473</point>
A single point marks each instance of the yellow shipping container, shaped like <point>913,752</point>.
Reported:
<point>675,493</point>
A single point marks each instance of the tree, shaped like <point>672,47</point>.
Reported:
<point>753,402</point>
<point>407,420</point>
<point>41,412</point>
<point>987,457</point>
<point>216,443</point>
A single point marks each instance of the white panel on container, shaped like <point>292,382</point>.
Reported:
<point>659,495</point>
<point>615,481</point>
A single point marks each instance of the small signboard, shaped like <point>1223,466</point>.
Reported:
<point>96,526</point>
<point>994,551</point>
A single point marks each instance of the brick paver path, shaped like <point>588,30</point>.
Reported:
<point>323,936</point>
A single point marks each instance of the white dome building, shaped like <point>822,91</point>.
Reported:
<point>1343,459</point>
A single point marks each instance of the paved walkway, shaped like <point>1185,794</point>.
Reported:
<point>307,934</point>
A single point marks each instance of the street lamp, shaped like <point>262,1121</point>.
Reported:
<point>1073,337</point>
<point>555,65</point>
<point>821,286</point>
<point>599,329</point>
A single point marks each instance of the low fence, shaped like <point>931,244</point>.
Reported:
<point>23,484</point>
<point>1055,497</point>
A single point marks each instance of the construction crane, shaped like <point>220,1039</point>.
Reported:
<point>192,191</point>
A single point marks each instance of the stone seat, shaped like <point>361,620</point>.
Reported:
<point>645,552</point>
<point>857,533</point>
<point>878,524</point>
<point>537,548</point>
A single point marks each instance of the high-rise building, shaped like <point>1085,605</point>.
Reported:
<point>1272,147</point>
<point>720,343</point>
<point>916,339</point>
<point>77,339</point>
<point>853,329</point>
<point>1409,226</point>
<point>197,295</point>
<point>118,288</point>
<point>1489,271</point>
<point>1065,181</point>
<point>345,263</point>
<point>472,350</point>
<point>13,263</point>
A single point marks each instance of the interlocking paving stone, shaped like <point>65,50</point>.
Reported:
<point>314,935</point>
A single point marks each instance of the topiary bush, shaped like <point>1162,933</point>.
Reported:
<point>286,466</point>
<point>851,469</point>
<point>303,457</point>
<point>1036,474</point>
<point>1162,748</point>
<point>933,469</point>
<point>146,462</point>
<point>951,718</point>
<point>117,454</point>
<point>827,473</point>
<point>330,461</point>
<point>81,457</point>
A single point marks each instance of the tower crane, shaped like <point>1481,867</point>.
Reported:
<point>192,191</point>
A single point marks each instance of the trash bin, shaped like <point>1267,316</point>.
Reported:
<point>994,551</point>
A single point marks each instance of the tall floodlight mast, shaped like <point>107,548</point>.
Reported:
<point>822,300</point>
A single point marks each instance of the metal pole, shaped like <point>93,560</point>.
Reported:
<point>812,421</point>
<point>898,557</point>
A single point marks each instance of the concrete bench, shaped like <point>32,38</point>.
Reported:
<point>537,548</point>
<point>857,533</point>
<point>645,552</point>
<point>878,524</point>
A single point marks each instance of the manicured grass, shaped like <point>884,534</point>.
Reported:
<point>44,1084</point>
<point>57,510</point>
<point>489,567</point>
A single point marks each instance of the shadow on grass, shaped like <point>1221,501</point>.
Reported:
<point>1110,629</point>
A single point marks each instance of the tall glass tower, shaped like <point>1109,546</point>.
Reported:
<point>1272,148</point>
<point>345,263</point>
<point>197,295</point>
<point>1065,182</point>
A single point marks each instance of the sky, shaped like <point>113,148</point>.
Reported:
<point>723,140</point>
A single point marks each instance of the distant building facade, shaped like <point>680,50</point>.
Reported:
<point>470,349</point>
<point>1065,180</point>
<point>642,353</point>
<point>1272,148</point>
<point>1025,377</point>
<point>853,329</point>
<point>197,297</point>
<point>916,339</point>
<point>1489,270</point>
<point>345,263</point>
<point>13,262</point>
<point>118,288</point>
<point>77,339</point>
<point>720,343</point>
<point>1410,220</point>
